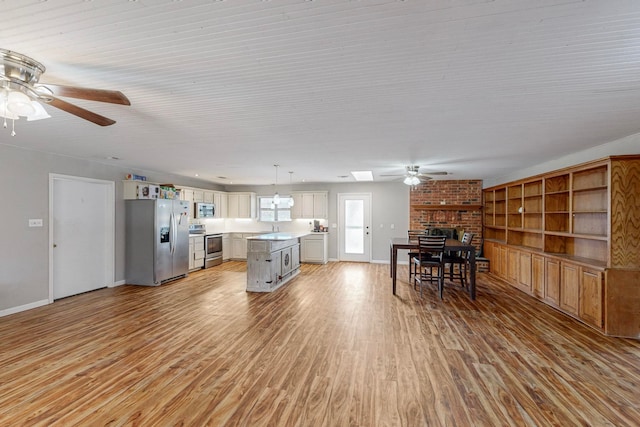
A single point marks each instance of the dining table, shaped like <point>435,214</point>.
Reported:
<point>404,243</point>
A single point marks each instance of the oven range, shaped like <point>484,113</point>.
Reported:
<point>212,250</point>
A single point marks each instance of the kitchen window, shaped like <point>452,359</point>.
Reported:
<point>268,212</point>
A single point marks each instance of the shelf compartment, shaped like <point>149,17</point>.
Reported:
<point>578,247</point>
<point>556,202</point>
<point>514,192</point>
<point>532,189</point>
<point>532,221</point>
<point>495,234</point>
<point>591,223</point>
<point>558,221</point>
<point>590,178</point>
<point>529,239</point>
<point>514,220</point>
<point>556,183</point>
<point>590,200</point>
<point>533,205</point>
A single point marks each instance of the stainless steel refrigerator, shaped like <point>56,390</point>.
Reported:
<point>157,241</point>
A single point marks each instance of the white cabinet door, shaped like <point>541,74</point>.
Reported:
<point>239,246</point>
<point>220,201</point>
<point>241,205</point>
<point>198,195</point>
<point>314,248</point>
<point>320,205</point>
<point>227,250</point>
<point>187,195</point>
<point>207,196</point>
<point>307,205</point>
<point>296,210</point>
<point>190,253</point>
<point>232,207</point>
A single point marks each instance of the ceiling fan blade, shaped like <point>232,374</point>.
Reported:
<point>81,112</point>
<point>434,173</point>
<point>385,174</point>
<point>100,95</point>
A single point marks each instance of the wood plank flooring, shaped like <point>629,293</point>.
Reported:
<point>333,347</point>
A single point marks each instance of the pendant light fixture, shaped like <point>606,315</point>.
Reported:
<point>276,197</point>
<point>291,201</point>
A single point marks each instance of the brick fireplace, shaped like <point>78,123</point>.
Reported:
<point>447,204</point>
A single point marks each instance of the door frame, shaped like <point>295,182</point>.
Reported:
<point>110,224</point>
<point>341,225</point>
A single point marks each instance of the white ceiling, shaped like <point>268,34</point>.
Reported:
<point>478,88</point>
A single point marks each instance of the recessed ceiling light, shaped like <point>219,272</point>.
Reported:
<point>362,175</point>
<point>196,175</point>
<point>112,158</point>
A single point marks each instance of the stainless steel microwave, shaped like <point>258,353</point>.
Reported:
<point>205,210</point>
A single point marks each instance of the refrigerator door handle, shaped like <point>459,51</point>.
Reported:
<point>171,234</point>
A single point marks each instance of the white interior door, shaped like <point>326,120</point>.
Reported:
<point>81,227</point>
<point>354,227</point>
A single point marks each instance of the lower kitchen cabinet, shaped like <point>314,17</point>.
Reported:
<point>314,248</point>
<point>196,252</point>
<point>226,247</point>
<point>239,246</point>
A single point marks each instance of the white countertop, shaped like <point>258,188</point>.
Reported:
<point>278,236</point>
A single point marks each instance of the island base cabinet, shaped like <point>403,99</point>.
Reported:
<point>271,264</point>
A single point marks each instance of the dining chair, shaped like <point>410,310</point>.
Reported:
<point>460,260</point>
<point>413,238</point>
<point>430,258</point>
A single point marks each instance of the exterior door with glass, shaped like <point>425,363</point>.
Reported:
<point>354,213</point>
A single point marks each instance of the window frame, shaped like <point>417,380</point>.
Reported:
<point>274,209</point>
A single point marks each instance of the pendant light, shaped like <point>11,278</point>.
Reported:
<point>291,201</point>
<point>276,197</point>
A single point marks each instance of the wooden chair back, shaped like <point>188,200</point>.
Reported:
<point>433,245</point>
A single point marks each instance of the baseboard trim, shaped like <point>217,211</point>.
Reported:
<point>25,307</point>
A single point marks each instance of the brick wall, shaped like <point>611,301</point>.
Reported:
<point>463,192</point>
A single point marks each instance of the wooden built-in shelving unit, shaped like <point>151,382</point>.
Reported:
<point>571,238</point>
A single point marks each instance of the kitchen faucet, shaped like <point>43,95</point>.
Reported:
<point>275,228</point>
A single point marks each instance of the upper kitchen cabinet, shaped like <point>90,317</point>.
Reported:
<point>241,205</point>
<point>220,201</point>
<point>312,205</point>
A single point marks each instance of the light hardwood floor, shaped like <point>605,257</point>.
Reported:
<point>333,347</point>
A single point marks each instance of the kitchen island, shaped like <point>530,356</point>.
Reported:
<point>272,260</point>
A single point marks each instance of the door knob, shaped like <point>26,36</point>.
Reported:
<point>55,246</point>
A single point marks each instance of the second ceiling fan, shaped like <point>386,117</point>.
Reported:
<point>413,176</point>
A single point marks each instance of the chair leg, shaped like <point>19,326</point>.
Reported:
<point>441,281</point>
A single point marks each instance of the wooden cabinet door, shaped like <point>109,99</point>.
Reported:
<point>591,297</point>
<point>524,271</point>
<point>570,288</point>
<point>513,259</point>
<point>502,260</point>
<point>552,281</point>
<point>537,275</point>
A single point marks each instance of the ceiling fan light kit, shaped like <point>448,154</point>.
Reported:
<point>22,96</point>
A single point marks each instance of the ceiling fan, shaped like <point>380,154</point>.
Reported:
<point>413,176</point>
<point>21,94</point>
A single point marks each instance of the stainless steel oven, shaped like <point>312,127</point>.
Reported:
<point>212,250</point>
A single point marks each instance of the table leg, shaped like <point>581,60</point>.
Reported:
<point>472,274</point>
<point>394,267</point>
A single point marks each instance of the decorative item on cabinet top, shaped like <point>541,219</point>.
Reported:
<point>135,189</point>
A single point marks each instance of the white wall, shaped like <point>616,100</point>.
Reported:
<point>24,251</point>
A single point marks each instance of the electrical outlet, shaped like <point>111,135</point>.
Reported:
<point>35,223</point>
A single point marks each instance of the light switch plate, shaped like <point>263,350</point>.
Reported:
<point>35,223</point>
